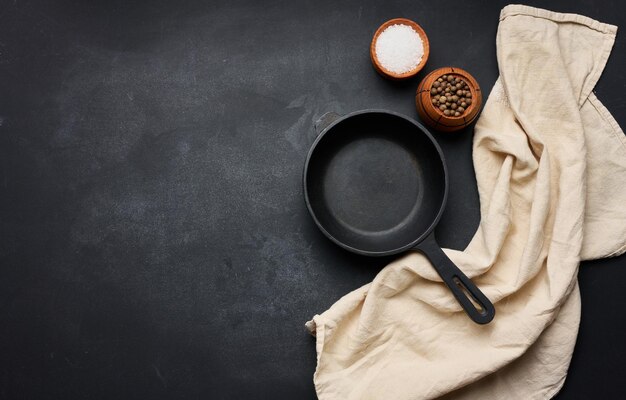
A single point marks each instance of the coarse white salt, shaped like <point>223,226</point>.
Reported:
<point>399,48</point>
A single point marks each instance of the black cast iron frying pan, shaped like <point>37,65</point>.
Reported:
<point>376,184</point>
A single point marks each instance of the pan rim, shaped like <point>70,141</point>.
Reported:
<point>338,242</point>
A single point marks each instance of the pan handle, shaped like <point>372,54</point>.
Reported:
<point>474,302</point>
<point>325,120</point>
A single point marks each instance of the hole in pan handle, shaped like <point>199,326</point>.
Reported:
<point>477,306</point>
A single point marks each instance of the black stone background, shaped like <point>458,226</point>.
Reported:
<point>154,240</point>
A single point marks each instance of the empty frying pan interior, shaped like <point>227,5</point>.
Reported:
<point>375,183</point>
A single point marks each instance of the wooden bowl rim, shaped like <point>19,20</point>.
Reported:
<point>473,85</point>
<point>420,32</point>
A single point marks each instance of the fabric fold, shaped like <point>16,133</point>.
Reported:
<point>550,164</point>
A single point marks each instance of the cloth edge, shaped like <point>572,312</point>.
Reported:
<point>608,117</point>
<point>621,137</point>
<point>520,9</point>
<point>587,89</point>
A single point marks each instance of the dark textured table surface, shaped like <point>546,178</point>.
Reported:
<point>154,241</point>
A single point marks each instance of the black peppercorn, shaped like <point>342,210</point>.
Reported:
<point>451,94</point>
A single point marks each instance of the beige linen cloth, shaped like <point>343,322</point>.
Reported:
<point>550,164</point>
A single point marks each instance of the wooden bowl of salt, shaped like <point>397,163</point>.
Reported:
<point>399,49</point>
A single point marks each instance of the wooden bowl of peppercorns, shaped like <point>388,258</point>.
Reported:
<point>448,99</point>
